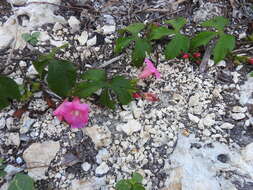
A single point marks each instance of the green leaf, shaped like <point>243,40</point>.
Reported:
<point>85,89</point>
<point>176,46</point>
<point>121,43</point>
<point>251,74</point>
<point>218,22</point>
<point>35,34</point>
<point>137,177</point>
<point>9,90</point>
<point>2,174</point>
<point>26,37</point>
<point>21,182</point>
<point>61,77</point>
<point>94,75</point>
<point>135,28</point>
<point>139,52</point>
<point>41,63</point>
<point>106,100</point>
<point>224,45</point>
<point>177,23</point>
<point>138,187</point>
<point>123,89</point>
<point>159,32</point>
<point>123,185</point>
<point>202,39</point>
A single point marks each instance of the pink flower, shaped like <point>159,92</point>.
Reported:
<point>74,113</point>
<point>149,70</point>
<point>150,97</point>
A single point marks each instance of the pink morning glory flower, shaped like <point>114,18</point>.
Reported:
<point>149,70</point>
<point>74,113</point>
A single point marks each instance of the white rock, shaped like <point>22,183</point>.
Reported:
<point>102,169</point>
<point>2,123</point>
<point>126,115</point>
<point>92,41</point>
<point>22,64</point>
<point>9,123</point>
<point>209,120</point>
<point>39,154</point>
<point>83,38</point>
<point>108,29</point>
<point>13,139</point>
<point>222,63</point>
<point>19,81</point>
<point>31,72</point>
<point>103,155</point>
<point>247,152</point>
<point>57,26</point>
<point>74,23</point>
<point>6,38</point>
<point>28,122</point>
<point>227,126</point>
<point>57,43</point>
<point>44,36</point>
<point>206,132</point>
<point>193,118</point>
<point>238,116</point>
<point>100,137</point>
<point>86,166</point>
<point>239,109</point>
<point>11,170</point>
<point>130,127</point>
<point>194,100</point>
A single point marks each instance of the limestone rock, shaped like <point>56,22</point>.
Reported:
<point>74,23</point>
<point>100,137</point>
<point>247,152</point>
<point>40,154</point>
<point>102,169</point>
<point>130,127</point>
<point>83,38</point>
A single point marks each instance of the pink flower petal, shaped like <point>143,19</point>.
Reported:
<point>74,113</point>
<point>145,73</point>
<point>149,70</point>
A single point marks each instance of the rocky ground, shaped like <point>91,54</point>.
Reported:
<point>199,136</point>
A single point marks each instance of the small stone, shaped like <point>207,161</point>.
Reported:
<point>206,132</point>
<point>83,38</point>
<point>74,23</point>
<point>99,136</point>
<point>194,100</point>
<point>102,155</point>
<point>222,63</point>
<point>193,118</point>
<point>239,109</point>
<point>2,123</point>
<point>26,126</point>
<point>92,41</point>
<point>208,120</point>
<point>11,170</point>
<point>102,169</point>
<point>108,29</point>
<point>86,166</point>
<point>13,139</point>
<point>31,72</point>
<point>22,64</point>
<point>238,116</point>
<point>19,160</point>
<point>227,126</point>
<point>57,26</point>
<point>247,152</point>
<point>131,126</point>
